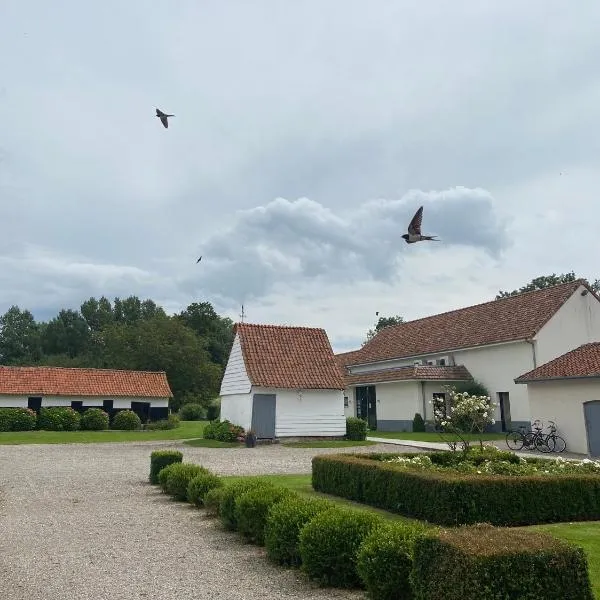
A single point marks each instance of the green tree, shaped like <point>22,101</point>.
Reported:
<point>382,323</point>
<point>68,333</point>
<point>20,341</point>
<point>539,283</point>
<point>98,314</point>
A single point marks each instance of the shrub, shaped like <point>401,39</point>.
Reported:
<point>159,459</point>
<point>486,562</point>
<point>284,523</point>
<point>177,478</point>
<point>200,485</point>
<point>172,422</point>
<point>453,498</point>
<point>418,423</point>
<point>192,412</point>
<point>356,429</point>
<point>385,559</point>
<point>17,419</point>
<point>59,418</point>
<point>473,388</point>
<point>164,475</point>
<point>231,493</point>
<point>94,419</point>
<point>252,508</point>
<point>212,501</point>
<point>223,431</point>
<point>126,420</point>
<point>329,545</point>
<point>213,410</point>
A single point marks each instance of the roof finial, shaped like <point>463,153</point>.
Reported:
<point>242,314</point>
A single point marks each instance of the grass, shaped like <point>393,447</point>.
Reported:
<point>434,437</point>
<point>186,430</point>
<point>328,444</point>
<point>202,443</point>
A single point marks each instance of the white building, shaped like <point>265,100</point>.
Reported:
<point>399,371</point>
<point>146,393</point>
<point>283,382</point>
<point>566,390</point>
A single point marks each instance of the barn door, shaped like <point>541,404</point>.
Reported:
<point>591,411</point>
<point>263,415</point>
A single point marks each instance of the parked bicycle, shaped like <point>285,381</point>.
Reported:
<point>528,440</point>
<point>554,441</point>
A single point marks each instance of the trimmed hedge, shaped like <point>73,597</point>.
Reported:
<point>212,501</point>
<point>284,524</point>
<point>231,492</point>
<point>192,412</point>
<point>126,420</point>
<point>159,459</point>
<point>200,485</point>
<point>251,510</point>
<point>385,559</point>
<point>17,419</point>
<point>329,544</point>
<point>58,418</point>
<point>94,419</point>
<point>175,478</point>
<point>457,498</point>
<point>356,429</point>
<point>418,425</point>
<point>471,563</point>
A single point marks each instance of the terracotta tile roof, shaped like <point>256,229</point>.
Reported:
<point>410,373</point>
<point>581,362</point>
<point>505,320</point>
<point>289,357</point>
<point>62,381</point>
<point>347,358</point>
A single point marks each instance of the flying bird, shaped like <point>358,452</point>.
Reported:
<point>163,117</point>
<point>198,260</point>
<point>414,230</point>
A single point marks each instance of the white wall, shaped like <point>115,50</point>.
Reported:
<point>562,402</point>
<point>237,408</point>
<point>398,401</point>
<point>235,379</point>
<point>350,410</point>
<point>311,413</point>
<point>577,322</point>
<point>8,401</point>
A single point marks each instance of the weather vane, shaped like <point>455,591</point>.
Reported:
<point>242,314</point>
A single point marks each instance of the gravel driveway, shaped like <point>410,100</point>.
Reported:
<point>80,521</point>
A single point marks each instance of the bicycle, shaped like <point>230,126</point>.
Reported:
<point>528,440</point>
<point>554,441</point>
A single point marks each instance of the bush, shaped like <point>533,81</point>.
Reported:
<point>453,498</point>
<point>385,559</point>
<point>59,418</point>
<point>172,422</point>
<point>223,431</point>
<point>329,545</point>
<point>192,412</point>
<point>284,523</point>
<point>252,508</point>
<point>17,419</point>
<point>212,501</point>
<point>200,485</point>
<point>231,493</point>
<point>486,562</point>
<point>356,429</point>
<point>178,477</point>
<point>473,388</point>
<point>418,424</point>
<point>94,419</point>
<point>159,459</point>
<point>126,420</point>
<point>213,410</point>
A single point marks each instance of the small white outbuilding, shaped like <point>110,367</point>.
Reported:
<point>566,390</point>
<point>283,381</point>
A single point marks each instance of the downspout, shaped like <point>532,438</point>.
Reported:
<point>532,342</point>
<point>423,400</point>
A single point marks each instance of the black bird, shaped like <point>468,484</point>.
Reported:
<point>198,260</point>
<point>163,117</point>
<point>414,230</point>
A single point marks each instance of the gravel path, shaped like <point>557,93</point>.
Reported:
<point>80,521</point>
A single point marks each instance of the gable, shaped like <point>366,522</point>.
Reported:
<point>235,379</point>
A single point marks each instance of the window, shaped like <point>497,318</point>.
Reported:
<point>346,403</point>
<point>441,362</point>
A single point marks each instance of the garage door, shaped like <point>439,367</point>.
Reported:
<point>591,410</point>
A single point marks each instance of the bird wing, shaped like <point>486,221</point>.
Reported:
<point>414,227</point>
<point>159,113</point>
<point>198,260</point>
<point>164,121</point>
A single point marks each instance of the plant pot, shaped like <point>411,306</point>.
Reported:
<point>250,441</point>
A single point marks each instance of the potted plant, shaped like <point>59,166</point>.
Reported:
<point>250,439</point>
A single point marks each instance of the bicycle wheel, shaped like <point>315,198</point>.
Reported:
<point>529,440</point>
<point>542,444</point>
<point>514,440</point>
<point>559,444</point>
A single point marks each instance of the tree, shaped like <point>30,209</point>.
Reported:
<point>68,334</point>
<point>98,314</point>
<point>540,283</point>
<point>382,323</point>
<point>19,337</point>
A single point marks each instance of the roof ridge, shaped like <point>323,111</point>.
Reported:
<point>57,368</point>
<point>244,324</point>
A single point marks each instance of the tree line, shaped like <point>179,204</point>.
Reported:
<point>192,346</point>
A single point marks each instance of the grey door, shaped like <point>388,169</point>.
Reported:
<point>591,411</point>
<point>504,401</point>
<point>263,415</point>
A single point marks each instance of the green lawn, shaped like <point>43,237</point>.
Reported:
<point>433,437</point>
<point>202,443</point>
<point>186,430</point>
<point>328,444</point>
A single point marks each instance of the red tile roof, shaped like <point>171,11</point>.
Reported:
<point>508,319</point>
<point>581,362</point>
<point>278,356</point>
<point>62,381</point>
<point>410,373</point>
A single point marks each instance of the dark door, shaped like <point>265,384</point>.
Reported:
<point>366,405</point>
<point>142,410</point>
<point>504,401</point>
<point>77,405</point>
<point>263,415</point>
<point>591,411</point>
<point>35,403</point>
<point>107,407</point>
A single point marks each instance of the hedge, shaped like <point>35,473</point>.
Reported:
<point>94,419</point>
<point>230,494</point>
<point>200,485</point>
<point>356,429</point>
<point>175,478</point>
<point>456,498</point>
<point>58,418</point>
<point>224,431</point>
<point>17,419</point>
<point>471,563</point>
<point>212,501</point>
<point>126,420</point>
<point>160,459</point>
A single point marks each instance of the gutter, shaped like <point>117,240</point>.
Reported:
<point>559,378</point>
<point>532,342</point>
<point>423,400</point>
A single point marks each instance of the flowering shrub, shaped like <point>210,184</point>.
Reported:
<point>59,418</point>
<point>126,420</point>
<point>94,419</point>
<point>223,431</point>
<point>17,419</point>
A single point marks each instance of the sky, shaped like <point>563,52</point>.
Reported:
<point>305,137</point>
